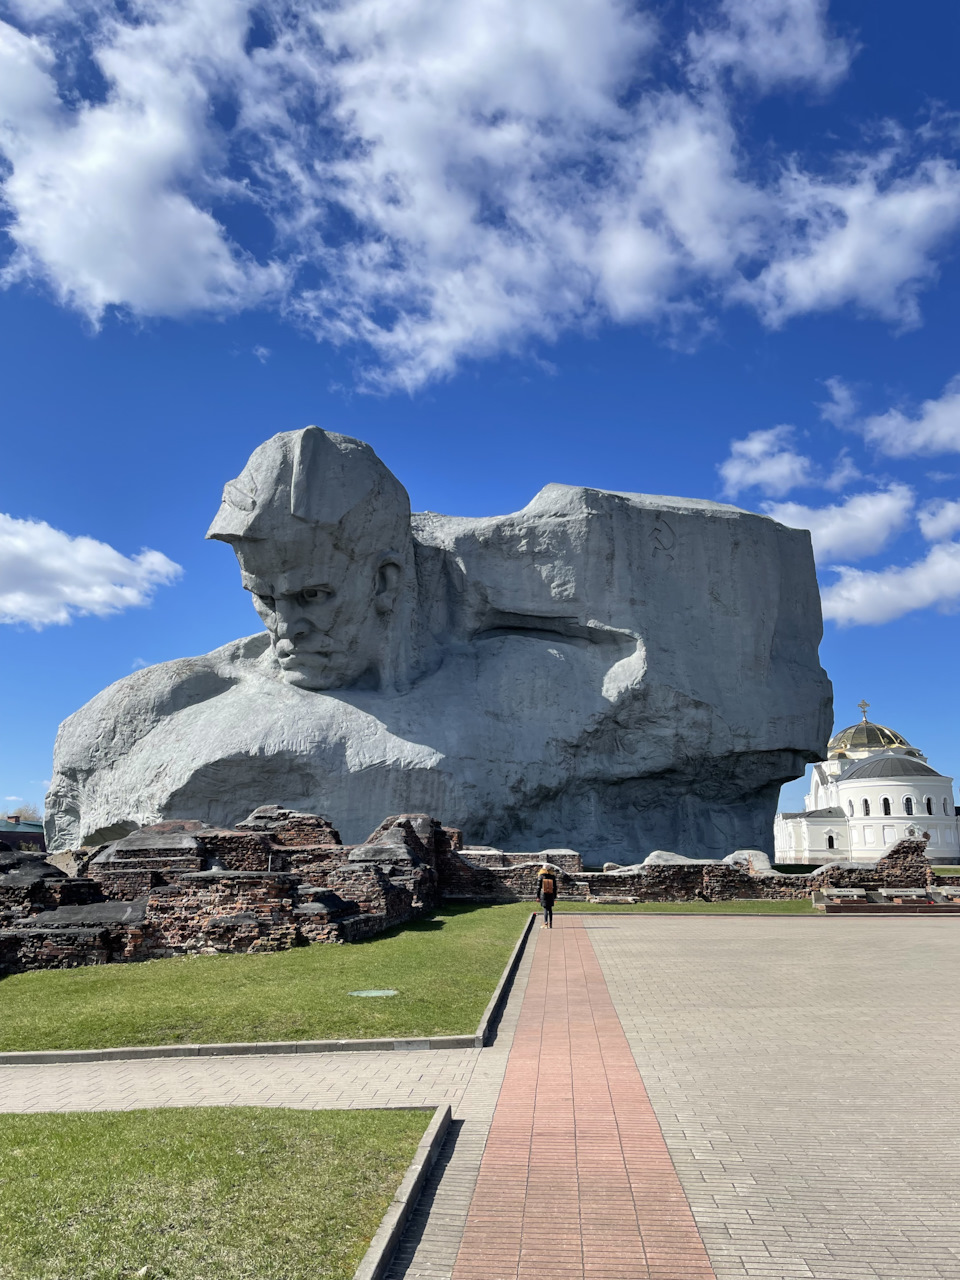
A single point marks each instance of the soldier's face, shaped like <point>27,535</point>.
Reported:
<point>326,619</point>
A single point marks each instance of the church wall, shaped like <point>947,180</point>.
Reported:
<point>871,834</point>
<point>806,839</point>
<point>865,835</point>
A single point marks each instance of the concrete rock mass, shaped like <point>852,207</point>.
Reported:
<point>612,672</point>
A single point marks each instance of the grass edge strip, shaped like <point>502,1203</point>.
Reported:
<point>375,1261</point>
<point>471,1040</point>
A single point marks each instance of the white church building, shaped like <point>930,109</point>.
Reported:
<point>872,790</point>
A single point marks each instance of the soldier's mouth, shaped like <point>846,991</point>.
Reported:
<point>304,655</point>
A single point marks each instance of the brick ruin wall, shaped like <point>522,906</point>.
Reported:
<point>205,913</point>
<point>29,948</point>
<point>241,851</point>
<point>465,876</point>
<point>283,885</point>
<point>130,885</point>
<point>237,891</point>
<point>569,862</point>
<point>24,899</point>
<point>31,897</point>
<point>290,829</point>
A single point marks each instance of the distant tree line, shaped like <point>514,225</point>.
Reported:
<point>25,812</point>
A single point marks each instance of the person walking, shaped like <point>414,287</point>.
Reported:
<point>547,893</point>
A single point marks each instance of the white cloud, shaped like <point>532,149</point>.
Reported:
<point>939,519</point>
<point>844,471</point>
<point>36,10</point>
<point>860,526</point>
<point>841,408</point>
<point>456,178</point>
<point>934,429</point>
<point>863,524</point>
<point>868,239</point>
<point>772,42</point>
<point>48,577</point>
<point>766,461</point>
<point>862,597</point>
<point>108,198</point>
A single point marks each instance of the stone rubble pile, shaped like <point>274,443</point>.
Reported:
<point>668,877</point>
<point>279,879</point>
<point>282,879</point>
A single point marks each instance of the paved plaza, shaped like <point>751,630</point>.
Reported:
<point>576,1179</point>
<point>777,1092</point>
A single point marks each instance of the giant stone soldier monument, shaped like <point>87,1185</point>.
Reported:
<point>610,672</point>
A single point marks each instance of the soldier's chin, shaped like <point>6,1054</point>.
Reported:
<point>310,671</point>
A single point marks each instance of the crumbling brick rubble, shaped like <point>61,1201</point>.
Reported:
<point>746,874</point>
<point>283,879</point>
<point>280,879</point>
<point>292,829</point>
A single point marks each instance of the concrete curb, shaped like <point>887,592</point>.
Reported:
<point>475,1040</point>
<point>725,915</point>
<point>502,987</point>
<point>375,1261</point>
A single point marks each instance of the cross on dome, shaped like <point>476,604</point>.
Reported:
<point>864,705</point>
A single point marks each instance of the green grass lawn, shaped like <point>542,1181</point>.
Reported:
<point>736,906</point>
<point>206,1193</point>
<point>444,968</point>
<point>948,870</point>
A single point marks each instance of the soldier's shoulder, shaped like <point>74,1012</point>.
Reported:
<point>131,706</point>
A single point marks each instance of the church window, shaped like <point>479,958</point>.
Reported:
<point>866,808</point>
<point>908,806</point>
<point>946,812</point>
<point>850,807</point>
<point>886,806</point>
<point>928,802</point>
<point>830,842</point>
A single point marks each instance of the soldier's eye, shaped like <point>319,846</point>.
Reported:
<point>268,602</point>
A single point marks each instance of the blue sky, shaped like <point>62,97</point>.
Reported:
<point>697,249</point>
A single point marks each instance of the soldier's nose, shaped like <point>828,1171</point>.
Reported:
<point>291,625</point>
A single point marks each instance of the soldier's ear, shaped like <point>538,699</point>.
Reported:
<point>389,575</point>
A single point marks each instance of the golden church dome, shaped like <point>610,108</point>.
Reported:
<point>865,736</point>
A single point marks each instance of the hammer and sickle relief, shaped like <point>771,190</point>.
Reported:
<point>664,536</point>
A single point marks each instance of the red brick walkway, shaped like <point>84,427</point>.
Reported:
<point>576,1181</point>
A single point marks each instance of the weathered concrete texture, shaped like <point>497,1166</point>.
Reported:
<point>613,671</point>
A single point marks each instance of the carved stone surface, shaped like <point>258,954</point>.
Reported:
<point>609,672</point>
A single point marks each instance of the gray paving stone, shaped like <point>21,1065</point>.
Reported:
<point>428,1249</point>
<point>801,1071</point>
<point>335,1080</point>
